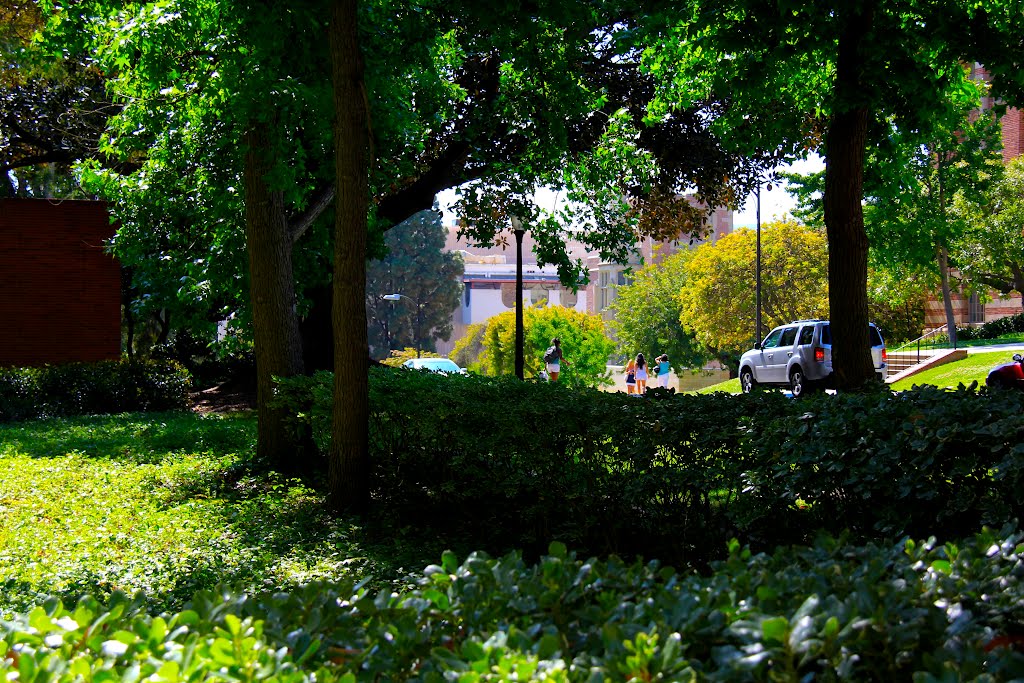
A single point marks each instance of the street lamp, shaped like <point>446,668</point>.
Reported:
<point>419,315</point>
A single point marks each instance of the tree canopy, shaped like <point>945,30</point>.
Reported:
<point>647,309</point>
<point>584,343</point>
<point>990,253</point>
<point>835,76</point>
<point>718,305</point>
<point>429,280</point>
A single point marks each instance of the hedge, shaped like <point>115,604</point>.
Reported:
<point>993,329</point>
<point>517,464</point>
<point>905,611</point>
<point>92,388</point>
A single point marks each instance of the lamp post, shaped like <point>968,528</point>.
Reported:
<point>518,231</point>
<point>757,273</point>
<point>419,315</point>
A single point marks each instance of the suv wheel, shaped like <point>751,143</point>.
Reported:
<point>797,382</point>
<point>747,382</point>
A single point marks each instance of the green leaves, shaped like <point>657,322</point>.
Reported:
<point>838,610</point>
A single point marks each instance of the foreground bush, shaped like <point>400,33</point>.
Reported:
<point>92,389</point>
<point>829,612</point>
<point>516,464</point>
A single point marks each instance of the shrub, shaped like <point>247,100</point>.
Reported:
<point>92,388</point>
<point>512,464</point>
<point>905,611</point>
<point>993,329</point>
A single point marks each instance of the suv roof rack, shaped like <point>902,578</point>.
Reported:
<point>809,320</point>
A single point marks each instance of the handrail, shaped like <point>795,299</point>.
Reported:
<point>917,342</point>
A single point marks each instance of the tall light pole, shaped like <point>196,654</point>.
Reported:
<point>757,272</point>
<point>419,315</point>
<point>517,229</point>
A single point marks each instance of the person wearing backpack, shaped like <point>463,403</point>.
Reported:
<point>553,359</point>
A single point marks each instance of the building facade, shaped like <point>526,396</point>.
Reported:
<point>61,289</point>
<point>490,275</point>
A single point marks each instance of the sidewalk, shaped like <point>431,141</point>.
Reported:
<point>1016,347</point>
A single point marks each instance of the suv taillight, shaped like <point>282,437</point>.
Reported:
<point>819,354</point>
<point>885,355</point>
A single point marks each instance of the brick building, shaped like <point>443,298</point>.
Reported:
<point>61,291</point>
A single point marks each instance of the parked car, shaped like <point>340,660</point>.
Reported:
<point>799,356</point>
<point>445,366</point>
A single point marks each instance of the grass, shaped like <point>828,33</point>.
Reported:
<point>167,504</point>
<point>974,368</point>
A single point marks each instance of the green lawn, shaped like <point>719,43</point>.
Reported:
<point>974,368</point>
<point>165,504</point>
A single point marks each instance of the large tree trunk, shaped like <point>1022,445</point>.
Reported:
<point>276,338</point>
<point>348,470</point>
<point>844,221</point>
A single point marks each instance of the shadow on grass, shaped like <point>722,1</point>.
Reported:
<point>255,529</point>
<point>131,437</point>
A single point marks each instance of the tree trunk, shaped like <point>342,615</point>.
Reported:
<point>947,296</point>
<point>348,470</point>
<point>276,338</point>
<point>844,221</point>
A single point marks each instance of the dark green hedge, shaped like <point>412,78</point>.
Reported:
<point>515,465</point>
<point>92,388</point>
<point>993,329</point>
<point>898,612</point>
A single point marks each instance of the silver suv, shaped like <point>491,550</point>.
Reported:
<point>799,356</point>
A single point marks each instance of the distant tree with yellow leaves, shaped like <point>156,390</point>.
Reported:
<point>718,296</point>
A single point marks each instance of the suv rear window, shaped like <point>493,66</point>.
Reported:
<point>876,338</point>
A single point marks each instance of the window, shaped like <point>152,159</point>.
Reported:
<point>772,340</point>
<point>806,334</point>
<point>788,336</point>
<point>975,310</point>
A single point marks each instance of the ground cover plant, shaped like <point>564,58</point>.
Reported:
<point>162,503</point>
<point>904,611</point>
<point>244,576</point>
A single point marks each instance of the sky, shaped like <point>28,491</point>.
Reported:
<point>775,203</point>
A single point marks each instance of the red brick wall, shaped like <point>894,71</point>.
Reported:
<point>1012,145</point>
<point>60,294</point>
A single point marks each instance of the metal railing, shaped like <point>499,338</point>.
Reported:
<point>937,338</point>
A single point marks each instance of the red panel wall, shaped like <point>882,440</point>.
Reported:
<point>60,293</point>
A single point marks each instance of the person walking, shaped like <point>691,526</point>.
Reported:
<point>631,376</point>
<point>641,374</point>
<point>553,359</point>
<point>663,369</point>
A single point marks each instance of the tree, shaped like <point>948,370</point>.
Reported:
<point>52,111</point>
<point>429,279</point>
<point>990,253</point>
<point>646,312</point>
<point>718,305</point>
<point>457,93</point>
<point>825,75</point>
<point>584,342</point>
<point>912,188</point>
